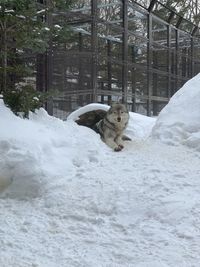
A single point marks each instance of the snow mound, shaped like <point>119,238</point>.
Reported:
<point>41,146</point>
<point>139,126</point>
<point>179,121</point>
<point>90,107</point>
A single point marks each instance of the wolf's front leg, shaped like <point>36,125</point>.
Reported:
<point>111,143</point>
<point>119,141</point>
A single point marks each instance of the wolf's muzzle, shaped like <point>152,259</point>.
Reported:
<point>118,119</point>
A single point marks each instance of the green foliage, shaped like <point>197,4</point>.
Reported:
<point>24,27</point>
<point>25,24</point>
<point>26,99</point>
<point>19,19</point>
<point>61,4</point>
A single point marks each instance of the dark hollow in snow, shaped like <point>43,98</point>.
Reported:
<point>90,118</point>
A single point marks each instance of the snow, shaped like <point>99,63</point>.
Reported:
<point>69,200</point>
<point>179,122</point>
<point>21,16</point>
<point>9,11</point>
<point>46,29</point>
<point>57,26</point>
<point>75,115</point>
<point>41,11</point>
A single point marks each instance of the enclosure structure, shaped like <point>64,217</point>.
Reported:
<point>120,50</point>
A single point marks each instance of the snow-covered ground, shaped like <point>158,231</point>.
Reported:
<point>68,200</point>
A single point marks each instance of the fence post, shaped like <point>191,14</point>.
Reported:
<point>125,50</point>
<point>48,63</point>
<point>94,41</point>
<point>149,64</point>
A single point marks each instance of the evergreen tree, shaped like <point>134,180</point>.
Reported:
<point>24,27</point>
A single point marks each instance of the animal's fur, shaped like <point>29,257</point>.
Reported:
<point>111,127</point>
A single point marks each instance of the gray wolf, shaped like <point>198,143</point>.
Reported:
<point>111,127</point>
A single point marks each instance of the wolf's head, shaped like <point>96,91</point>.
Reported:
<point>118,114</point>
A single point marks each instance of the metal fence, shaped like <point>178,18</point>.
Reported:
<point>119,50</point>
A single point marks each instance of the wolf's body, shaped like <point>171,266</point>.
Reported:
<point>111,127</point>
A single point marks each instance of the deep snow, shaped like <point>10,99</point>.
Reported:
<point>69,200</point>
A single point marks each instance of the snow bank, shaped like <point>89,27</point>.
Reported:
<point>90,107</point>
<point>44,145</point>
<point>30,150</point>
<point>179,121</point>
<point>139,126</point>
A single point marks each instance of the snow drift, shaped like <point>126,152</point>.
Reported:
<point>31,149</point>
<point>179,121</point>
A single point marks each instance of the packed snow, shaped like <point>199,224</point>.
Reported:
<point>69,200</point>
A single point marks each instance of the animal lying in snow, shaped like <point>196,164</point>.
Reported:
<point>113,124</point>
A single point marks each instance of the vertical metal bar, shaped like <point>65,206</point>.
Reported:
<point>94,41</point>
<point>179,55</point>
<point>133,73</point>
<point>169,61</point>
<point>192,57</point>
<point>48,62</point>
<point>177,61</point>
<point>41,66</point>
<point>125,50</point>
<point>149,63</point>
<point>109,69</point>
<point>40,74</point>
<point>195,29</point>
<point>81,70</point>
<point>155,92</point>
<point>102,96</point>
